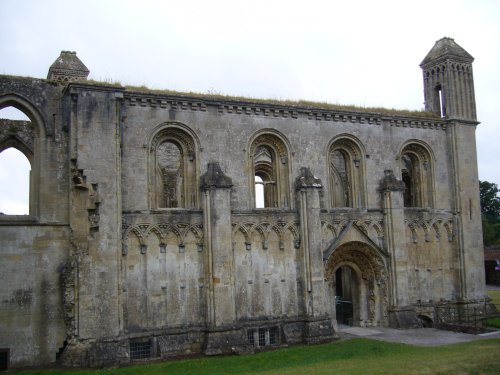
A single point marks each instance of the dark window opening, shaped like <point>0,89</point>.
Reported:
<point>263,336</point>
<point>407,195</point>
<point>170,163</point>
<point>250,337</point>
<point>441,110</point>
<point>4,359</point>
<point>140,349</point>
<point>265,178</point>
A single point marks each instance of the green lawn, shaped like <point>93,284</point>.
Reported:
<point>495,296</point>
<point>356,356</point>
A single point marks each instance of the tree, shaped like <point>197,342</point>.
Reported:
<point>490,209</point>
<point>490,201</point>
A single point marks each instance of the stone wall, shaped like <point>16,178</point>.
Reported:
<point>144,239</point>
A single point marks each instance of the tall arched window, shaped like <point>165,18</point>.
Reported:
<point>416,173</point>
<point>346,182</point>
<point>173,177</point>
<point>270,172</point>
<point>16,155</point>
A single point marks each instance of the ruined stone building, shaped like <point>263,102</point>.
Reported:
<point>164,223</point>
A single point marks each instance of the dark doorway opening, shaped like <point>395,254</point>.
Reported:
<point>4,359</point>
<point>344,310</point>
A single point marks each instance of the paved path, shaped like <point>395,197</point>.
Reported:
<point>416,336</point>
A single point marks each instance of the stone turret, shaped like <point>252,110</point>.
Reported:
<point>448,81</point>
<point>68,68</point>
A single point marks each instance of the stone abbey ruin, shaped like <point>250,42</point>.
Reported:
<point>166,224</point>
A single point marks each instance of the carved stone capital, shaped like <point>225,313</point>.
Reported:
<point>390,182</point>
<point>306,179</point>
<point>214,178</point>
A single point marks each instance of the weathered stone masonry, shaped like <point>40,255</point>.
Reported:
<point>163,224</point>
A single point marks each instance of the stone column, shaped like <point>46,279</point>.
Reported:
<point>467,219</point>
<point>318,322</point>
<point>222,335</point>
<point>400,314</point>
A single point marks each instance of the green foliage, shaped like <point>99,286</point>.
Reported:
<point>491,233</point>
<point>494,323</point>
<point>356,356</point>
<point>490,209</point>
<point>490,201</point>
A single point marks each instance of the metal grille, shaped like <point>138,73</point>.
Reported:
<point>263,336</point>
<point>140,349</point>
<point>465,318</point>
<point>250,336</point>
<point>273,336</point>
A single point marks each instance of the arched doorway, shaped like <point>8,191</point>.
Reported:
<point>345,289</point>
<point>357,285</point>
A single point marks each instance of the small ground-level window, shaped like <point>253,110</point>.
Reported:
<point>263,336</point>
<point>4,359</point>
<point>140,349</point>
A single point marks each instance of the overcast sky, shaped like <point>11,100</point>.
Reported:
<point>365,53</point>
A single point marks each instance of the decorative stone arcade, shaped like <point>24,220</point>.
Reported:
<point>133,249</point>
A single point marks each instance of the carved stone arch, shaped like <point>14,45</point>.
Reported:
<point>155,229</point>
<point>173,166</point>
<point>126,229</point>
<point>435,225</point>
<point>30,110</point>
<point>13,141</point>
<point>346,170</point>
<point>262,230</point>
<point>30,147</point>
<point>294,229</point>
<point>341,224</point>
<point>243,229</point>
<point>370,296</point>
<point>416,165</point>
<point>269,160</point>
<point>426,229</point>
<point>138,233</point>
<point>167,229</point>
<point>448,225</point>
<point>180,230</point>
<point>413,230</point>
<point>198,234</point>
<point>362,226</point>
<point>330,226</point>
<point>378,228</point>
<point>278,230</point>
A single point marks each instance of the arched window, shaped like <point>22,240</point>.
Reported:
<point>416,173</point>
<point>16,155</point>
<point>15,171</point>
<point>173,178</point>
<point>270,172</point>
<point>346,182</point>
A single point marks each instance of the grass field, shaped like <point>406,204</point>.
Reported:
<point>355,356</point>
<point>495,297</point>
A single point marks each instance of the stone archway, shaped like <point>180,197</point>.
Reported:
<point>364,268</point>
